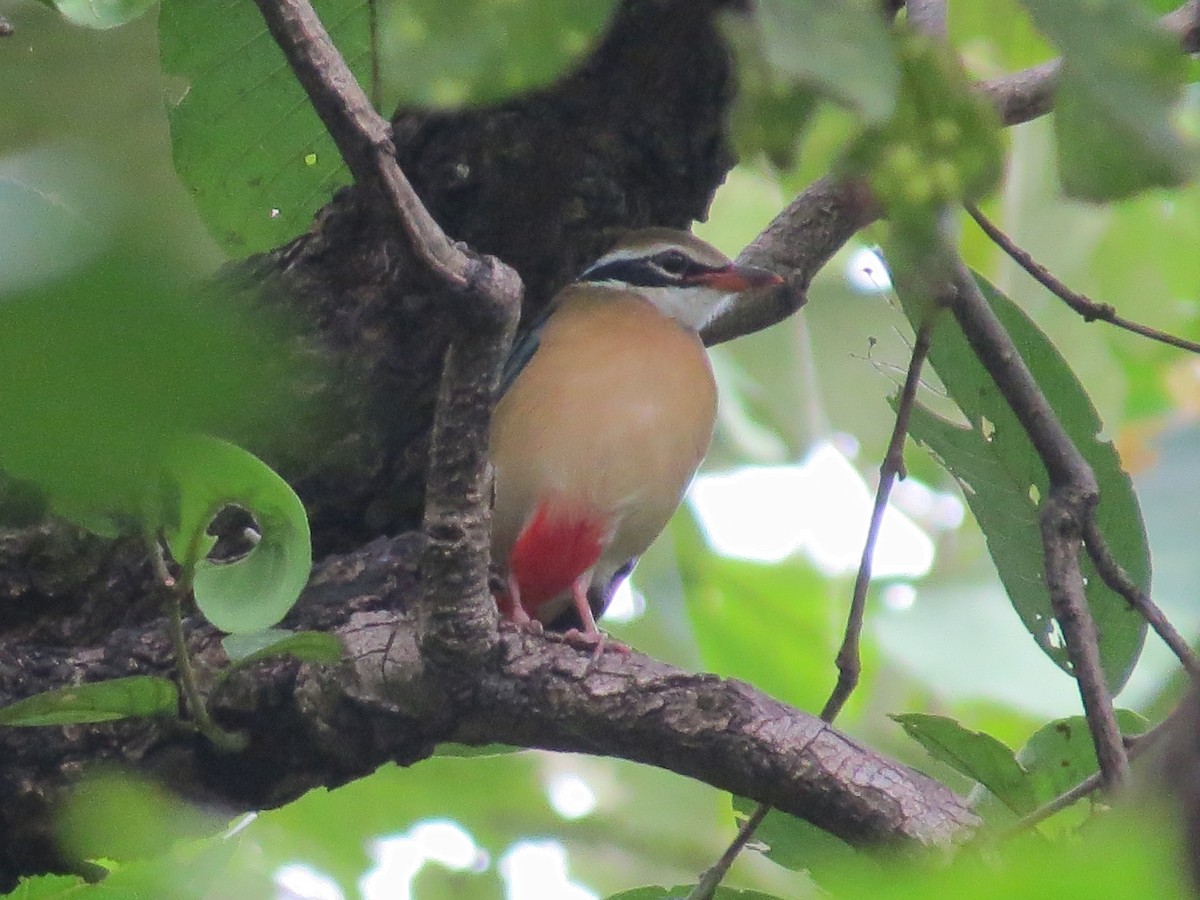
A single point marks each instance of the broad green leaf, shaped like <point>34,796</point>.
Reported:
<point>97,701</point>
<point>1003,482</point>
<point>1061,754</point>
<point>116,816</point>
<point>99,14</point>
<point>246,141</point>
<point>977,755</point>
<point>1120,856</point>
<point>202,476</point>
<point>842,50</point>
<point>248,144</point>
<point>1121,78</point>
<point>479,51</point>
<point>306,646</point>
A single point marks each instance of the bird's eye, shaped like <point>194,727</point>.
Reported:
<point>672,262</point>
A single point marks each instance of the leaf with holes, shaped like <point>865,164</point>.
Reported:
<point>1004,481</point>
<point>1060,754</point>
<point>201,477</point>
<point>97,701</point>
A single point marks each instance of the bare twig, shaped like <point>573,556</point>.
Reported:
<point>1070,502</point>
<point>892,468</point>
<point>848,658</point>
<point>706,887</point>
<point>1085,306</point>
<point>1118,579</point>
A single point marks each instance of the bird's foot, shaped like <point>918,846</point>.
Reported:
<point>597,641</point>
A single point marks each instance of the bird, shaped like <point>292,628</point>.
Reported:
<point>606,410</point>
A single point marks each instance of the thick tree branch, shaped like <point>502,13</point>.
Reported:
<point>458,607</point>
<point>311,726</point>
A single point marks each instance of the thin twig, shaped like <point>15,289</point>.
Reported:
<point>1115,576</point>
<point>706,887</point>
<point>1071,501</point>
<point>1082,304</point>
<point>848,658</point>
<point>229,741</point>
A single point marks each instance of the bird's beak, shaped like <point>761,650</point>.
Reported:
<point>734,279</point>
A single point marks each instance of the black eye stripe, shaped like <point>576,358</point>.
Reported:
<point>662,270</point>
<point>636,272</point>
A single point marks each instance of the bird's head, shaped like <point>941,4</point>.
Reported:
<point>684,277</point>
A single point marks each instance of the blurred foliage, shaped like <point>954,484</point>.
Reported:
<point>94,218</point>
<point>100,13</point>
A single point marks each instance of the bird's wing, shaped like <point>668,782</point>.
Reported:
<point>524,346</point>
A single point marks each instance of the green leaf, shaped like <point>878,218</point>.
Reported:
<point>977,755</point>
<point>841,49</point>
<point>97,701</point>
<point>110,348</point>
<point>1061,754</point>
<point>116,816</point>
<point>245,139</point>
<point>202,476</point>
<point>48,887</point>
<point>479,51</point>
<point>306,646</point>
<point>799,845</point>
<point>99,14</point>
<point>1004,481</point>
<point>1121,78</point>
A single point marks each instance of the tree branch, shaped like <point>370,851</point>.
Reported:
<point>310,725</point>
<point>460,615</point>
<point>1070,502</point>
<point>1082,304</point>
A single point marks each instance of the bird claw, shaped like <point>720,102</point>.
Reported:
<point>596,641</point>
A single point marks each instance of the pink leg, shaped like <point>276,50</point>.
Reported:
<point>520,617</point>
<point>591,636</point>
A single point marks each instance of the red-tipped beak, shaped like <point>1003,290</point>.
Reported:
<point>735,279</point>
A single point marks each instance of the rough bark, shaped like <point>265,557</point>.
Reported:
<point>314,725</point>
